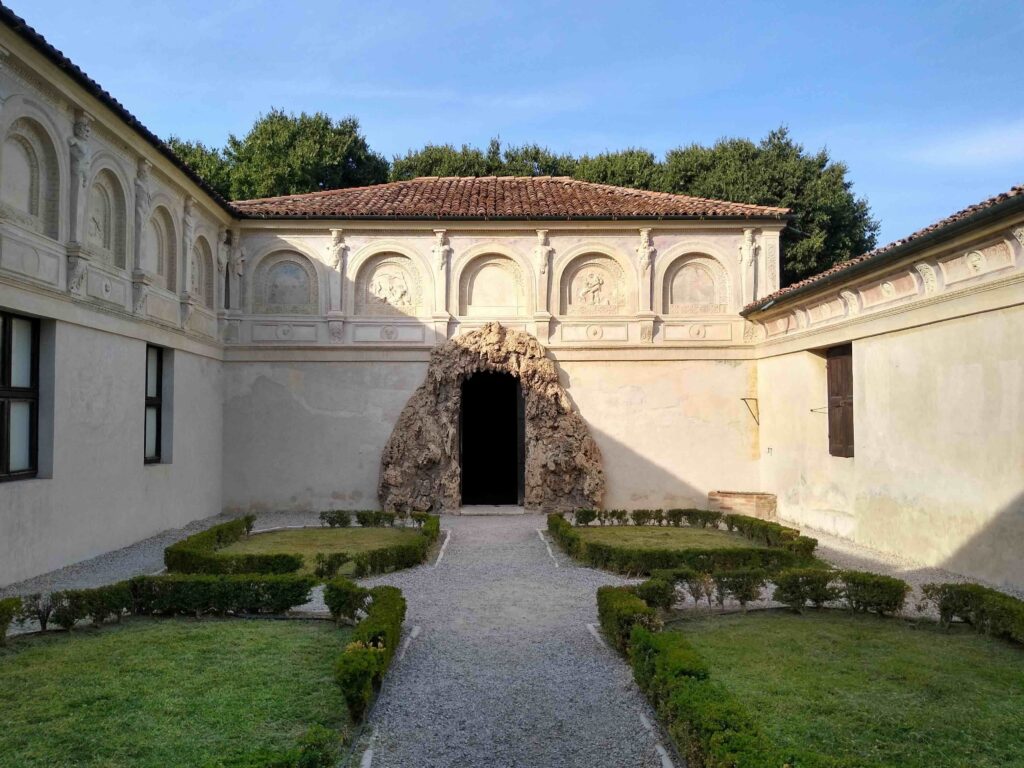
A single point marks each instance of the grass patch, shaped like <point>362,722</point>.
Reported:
<point>866,691</point>
<point>308,541</point>
<point>658,537</point>
<point>167,693</point>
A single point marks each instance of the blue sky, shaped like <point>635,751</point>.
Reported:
<point>923,100</point>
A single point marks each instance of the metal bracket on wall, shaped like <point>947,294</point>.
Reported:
<point>752,406</point>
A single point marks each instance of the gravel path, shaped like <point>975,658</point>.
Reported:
<point>504,671</point>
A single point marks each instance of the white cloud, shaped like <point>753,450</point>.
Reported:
<point>992,144</point>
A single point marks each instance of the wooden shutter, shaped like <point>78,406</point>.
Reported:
<point>840,401</point>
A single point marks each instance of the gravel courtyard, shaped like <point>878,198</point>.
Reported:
<point>504,671</point>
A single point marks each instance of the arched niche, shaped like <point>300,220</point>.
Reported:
<point>30,177</point>
<point>695,284</point>
<point>593,284</point>
<point>159,249</point>
<point>388,284</point>
<point>493,285</point>
<point>202,277</point>
<point>285,283</point>
<point>105,221</point>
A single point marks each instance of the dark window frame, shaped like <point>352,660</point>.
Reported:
<point>154,402</point>
<point>9,394</point>
<point>839,374</point>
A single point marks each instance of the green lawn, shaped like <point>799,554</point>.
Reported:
<point>167,693</point>
<point>308,541</point>
<point>662,537</point>
<point>868,691</point>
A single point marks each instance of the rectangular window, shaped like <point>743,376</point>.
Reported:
<point>154,403</point>
<point>840,400</point>
<point>19,396</point>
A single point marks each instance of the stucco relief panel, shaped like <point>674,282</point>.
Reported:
<point>695,284</point>
<point>286,284</point>
<point>389,285</point>
<point>593,284</point>
<point>978,261</point>
<point>492,286</point>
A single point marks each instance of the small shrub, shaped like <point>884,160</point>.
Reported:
<point>657,517</point>
<point>344,599</point>
<point>356,671</point>
<point>336,518</point>
<point>419,518</point>
<point>585,516</point>
<point>657,593</point>
<point>619,516</point>
<point>641,516</point>
<point>674,517</point>
<point>328,565</point>
<point>796,587</point>
<point>432,528</point>
<point>36,607</point>
<point>404,554</point>
<point>318,748</point>
<point>10,607</point>
<point>743,585</point>
<point>68,608</point>
<point>619,610</point>
<point>873,592</point>
<point>702,518</point>
<point>366,519</point>
<point>987,610</point>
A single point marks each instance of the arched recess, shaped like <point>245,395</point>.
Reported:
<point>106,227</point>
<point>201,286</point>
<point>692,280</point>
<point>30,177</point>
<point>285,282</point>
<point>492,281</point>
<point>160,249</point>
<point>389,258</point>
<point>592,279</point>
<point>420,464</point>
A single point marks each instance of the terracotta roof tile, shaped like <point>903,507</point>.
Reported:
<point>498,197</point>
<point>894,248</point>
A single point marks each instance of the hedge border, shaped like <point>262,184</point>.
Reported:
<point>795,550</point>
<point>708,725</point>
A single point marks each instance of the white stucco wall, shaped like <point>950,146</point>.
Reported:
<point>309,435</point>
<point>669,431</point>
<point>938,474</point>
<point>101,496</point>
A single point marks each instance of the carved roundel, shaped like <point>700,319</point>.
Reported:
<point>286,284</point>
<point>388,285</point>
<point>593,284</point>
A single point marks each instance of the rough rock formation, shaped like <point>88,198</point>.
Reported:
<point>420,465</point>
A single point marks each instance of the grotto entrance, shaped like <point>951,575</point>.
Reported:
<point>492,439</point>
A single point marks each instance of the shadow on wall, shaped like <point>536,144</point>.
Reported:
<point>996,553</point>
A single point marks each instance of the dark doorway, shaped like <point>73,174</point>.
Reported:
<point>492,430</point>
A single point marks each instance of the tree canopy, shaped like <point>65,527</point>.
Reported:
<point>285,154</point>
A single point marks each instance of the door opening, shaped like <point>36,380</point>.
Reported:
<point>492,439</point>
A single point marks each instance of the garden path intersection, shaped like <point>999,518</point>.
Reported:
<point>504,672</point>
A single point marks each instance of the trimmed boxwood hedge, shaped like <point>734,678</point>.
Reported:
<point>708,725</point>
<point>201,594</point>
<point>198,553</point>
<point>361,668</point>
<point>637,560</point>
<point>987,610</point>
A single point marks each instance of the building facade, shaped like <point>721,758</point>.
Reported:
<point>169,356</point>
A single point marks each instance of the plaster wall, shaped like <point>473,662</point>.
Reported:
<point>100,495</point>
<point>309,435</point>
<point>938,474</point>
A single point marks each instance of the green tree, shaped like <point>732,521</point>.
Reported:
<point>287,154</point>
<point>831,224</point>
<point>440,160</point>
<point>635,168</point>
<point>208,162</point>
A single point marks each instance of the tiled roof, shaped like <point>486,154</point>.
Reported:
<point>498,197</point>
<point>21,28</point>
<point>894,249</point>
